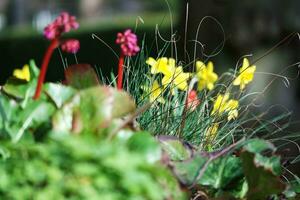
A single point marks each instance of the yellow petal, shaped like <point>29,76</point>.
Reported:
<point>251,69</point>
<point>237,81</point>
<point>233,114</point>
<point>172,62</point>
<point>210,66</point>
<point>199,66</point>
<point>245,65</point>
<point>151,61</point>
<point>166,81</point>
<point>210,86</point>
<point>156,93</point>
<point>23,74</point>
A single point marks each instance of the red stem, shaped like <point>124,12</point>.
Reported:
<point>53,45</point>
<point>120,72</point>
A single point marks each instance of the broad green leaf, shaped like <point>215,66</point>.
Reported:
<point>58,93</point>
<point>21,89</point>
<point>257,145</point>
<point>81,76</point>
<point>93,109</point>
<point>176,149</point>
<point>34,114</point>
<point>62,119</point>
<point>187,171</point>
<point>18,88</point>
<point>272,163</point>
<point>262,181</point>
<point>293,190</point>
<point>143,142</point>
<point>222,172</point>
<point>99,105</point>
<point>238,189</point>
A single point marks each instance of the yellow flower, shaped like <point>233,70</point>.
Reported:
<point>172,73</point>
<point>246,74</point>
<point>160,65</point>
<point>155,92</point>
<point>23,74</point>
<point>211,133</point>
<point>224,104</point>
<point>177,77</point>
<point>206,75</point>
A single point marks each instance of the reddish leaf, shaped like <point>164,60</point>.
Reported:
<point>81,76</point>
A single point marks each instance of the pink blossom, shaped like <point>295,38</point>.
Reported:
<point>128,42</point>
<point>62,24</point>
<point>70,46</point>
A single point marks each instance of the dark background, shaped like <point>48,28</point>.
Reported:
<point>250,27</point>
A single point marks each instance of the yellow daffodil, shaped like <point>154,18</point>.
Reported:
<point>176,77</point>
<point>160,65</point>
<point>155,92</point>
<point>246,74</point>
<point>224,104</point>
<point>206,75</point>
<point>22,74</point>
<point>172,74</point>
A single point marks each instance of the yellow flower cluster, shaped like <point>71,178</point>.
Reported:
<point>225,105</point>
<point>171,73</point>
<point>207,78</point>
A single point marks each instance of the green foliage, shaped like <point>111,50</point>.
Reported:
<point>70,167</point>
<point>221,174</point>
<point>78,141</point>
<point>41,157</point>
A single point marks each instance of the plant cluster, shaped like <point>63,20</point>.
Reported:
<point>164,133</point>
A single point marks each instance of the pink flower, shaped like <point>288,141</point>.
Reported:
<point>62,24</point>
<point>70,46</point>
<point>128,42</point>
<point>192,100</point>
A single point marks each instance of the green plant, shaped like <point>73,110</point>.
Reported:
<point>82,139</point>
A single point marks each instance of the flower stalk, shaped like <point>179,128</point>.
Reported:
<point>62,24</point>
<point>53,45</point>
<point>120,71</point>
<point>129,47</point>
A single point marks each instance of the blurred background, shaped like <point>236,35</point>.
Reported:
<point>249,27</point>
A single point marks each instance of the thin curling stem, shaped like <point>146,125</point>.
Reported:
<point>120,72</point>
<point>53,45</point>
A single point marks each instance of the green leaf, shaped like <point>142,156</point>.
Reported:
<point>272,163</point>
<point>18,88</point>
<point>144,143</point>
<point>258,146</point>
<point>21,89</point>
<point>81,76</point>
<point>176,149</point>
<point>186,171</point>
<point>58,93</point>
<point>222,172</point>
<point>35,113</point>
<point>62,119</point>
<point>262,181</point>
<point>34,70</point>
<point>93,109</point>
